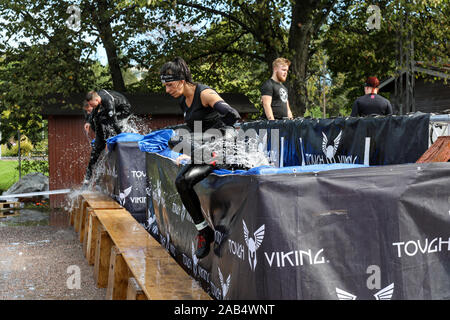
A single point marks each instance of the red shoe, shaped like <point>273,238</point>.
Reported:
<point>204,238</point>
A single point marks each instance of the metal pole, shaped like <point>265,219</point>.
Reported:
<point>440,118</point>
<point>407,107</point>
<point>323,90</point>
<point>401,74</point>
<point>20,164</point>
<point>413,77</point>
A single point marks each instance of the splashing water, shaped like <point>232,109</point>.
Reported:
<point>131,124</point>
<point>248,153</point>
<point>134,124</point>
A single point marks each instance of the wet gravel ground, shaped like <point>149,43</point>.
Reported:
<point>44,262</point>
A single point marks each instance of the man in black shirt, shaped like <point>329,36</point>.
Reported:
<point>371,102</point>
<point>274,95</point>
<point>109,107</point>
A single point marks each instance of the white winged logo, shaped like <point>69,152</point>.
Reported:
<point>330,150</point>
<point>225,285</point>
<point>151,218</point>
<point>262,141</point>
<point>151,223</point>
<point>386,293</point>
<point>167,241</point>
<point>253,243</point>
<point>123,196</point>
<point>383,294</point>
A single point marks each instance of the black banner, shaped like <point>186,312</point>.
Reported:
<point>125,178</point>
<point>377,233</point>
<point>383,140</point>
<point>373,233</point>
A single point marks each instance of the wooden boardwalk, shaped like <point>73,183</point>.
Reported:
<point>127,260</point>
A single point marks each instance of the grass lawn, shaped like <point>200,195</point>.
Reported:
<point>8,174</point>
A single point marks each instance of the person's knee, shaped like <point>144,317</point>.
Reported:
<point>181,184</point>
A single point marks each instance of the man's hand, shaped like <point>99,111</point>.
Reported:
<point>289,111</point>
<point>87,126</point>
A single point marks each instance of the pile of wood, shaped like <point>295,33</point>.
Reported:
<point>438,152</point>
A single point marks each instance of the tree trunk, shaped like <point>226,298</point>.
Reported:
<point>104,28</point>
<point>300,34</point>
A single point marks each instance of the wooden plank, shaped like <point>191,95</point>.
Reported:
<point>9,205</point>
<point>91,234</point>
<point>157,273</point>
<point>160,277</point>
<point>4,214</point>
<point>78,215</point>
<point>124,230</point>
<point>92,239</point>
<point>87,230</point>
<point>75,208</point>
<point>97,200</point>
<point>94,200</point>
<point>439,151</point>
<point>118,276</point>
<point>81,218</point>
<point>102,255</point>
<point>134,291</point>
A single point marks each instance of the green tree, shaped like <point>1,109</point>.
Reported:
<point>358,52</point>
<point>273,28</point>
<point>42,59</point>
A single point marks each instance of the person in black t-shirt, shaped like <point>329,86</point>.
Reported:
<point>108,108</point>
<point>371,103</point>
<point>198,103</point>
<point>274,95</point>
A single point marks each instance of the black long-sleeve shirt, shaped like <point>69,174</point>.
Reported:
<point>371,104</point>
<point>105,117</point>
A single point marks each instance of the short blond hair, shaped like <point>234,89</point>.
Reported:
<point>281,62</point>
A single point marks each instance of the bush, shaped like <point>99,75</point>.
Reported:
<point>25,149</point>
<point>29,166</point>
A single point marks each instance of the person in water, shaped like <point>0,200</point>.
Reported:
<point>108,108</point>
<point>203,104</point>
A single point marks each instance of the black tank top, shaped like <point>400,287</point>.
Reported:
<point>209,117</point>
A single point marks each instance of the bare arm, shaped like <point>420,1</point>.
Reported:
<point>267,105</point>
<point>209,97</point>
<point>289,112</point>
<point>229,115</point>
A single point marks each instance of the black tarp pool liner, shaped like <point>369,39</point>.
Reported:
<point>378,232</point>
<point>392,139</point>
<point>125,174</point>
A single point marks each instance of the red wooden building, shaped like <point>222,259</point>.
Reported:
<point>69,147</point>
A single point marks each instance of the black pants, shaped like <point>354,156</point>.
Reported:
<point>99,146</point>
<point>186,179</point>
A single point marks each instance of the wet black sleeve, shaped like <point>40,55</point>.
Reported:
<point>108,104</point>
<point>228,113</point>
<point>89,119</point>
<point>267,89</point>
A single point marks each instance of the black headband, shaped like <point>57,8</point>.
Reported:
<point>171,77</point>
